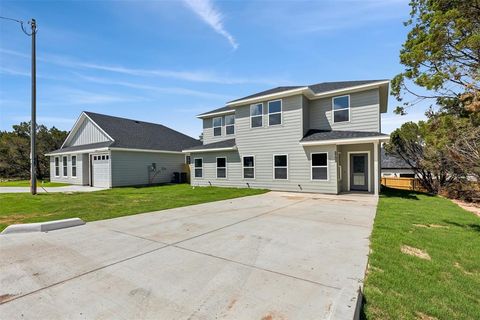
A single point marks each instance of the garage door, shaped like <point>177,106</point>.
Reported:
<point>101,170</point>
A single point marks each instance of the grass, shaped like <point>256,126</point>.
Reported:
<point>26,183</point>
<point>112,203</point>
<point>402,286</point>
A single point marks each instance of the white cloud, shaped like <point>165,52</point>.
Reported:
<point>211,16</point>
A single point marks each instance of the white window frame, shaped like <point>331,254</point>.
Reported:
<point>270,113</point>
<point>214,127</point>
<point>217,167</point>
<point>339,167</point>
<point>195,168</point>
<point>56,166</point>
<point>230,125</point>
<point>243,167</point>
<point>369,166</point>
<point>72,166</point>
<point>274,167</point>
<point>333,110</point>
<point>312,166</point>
<point>64,166</point>
<point>261,115</point>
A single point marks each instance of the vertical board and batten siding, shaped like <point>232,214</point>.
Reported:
<point>82,170</point>
<point>130,168</point>
<point>208,136</point>
<point>263,143</point>
<point>87,133</point>
<point>364,113</point>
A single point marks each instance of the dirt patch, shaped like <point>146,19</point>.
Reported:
<point>430,226</point>
<point>459,266</point>
<point>472,207</point>
<point>6,297</point>
<point>423,316</point>
<point>231,304</point>
<point>273,315</point>
<point>415,252</point>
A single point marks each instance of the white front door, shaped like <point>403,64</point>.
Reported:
<point>100,170</point>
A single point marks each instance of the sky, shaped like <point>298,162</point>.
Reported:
<point>167,61</point>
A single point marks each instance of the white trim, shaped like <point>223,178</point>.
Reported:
<point>214,127</point>
<point>115,149</point>
<point>194,168</point>
<point>376,169</point>
<point>209,115</point>
<point>348,108</point>
<point>345,141</point>
<point>75,128</point>
<point>369,168</point>
<point>327,166</point>
<point>216,167</point>
<point>256,116</point>
<point>229,125</point>
<point>269,113</point>
<point>64,165</point>
<point>274,167</point>
<point>76,166</point>
<point>210,150</point>
<point>55,167</point>
<point>348,89</point>
<point>254,166</point>
<point>268,96</point>
<point>78,151</point>
<point>106,153</point>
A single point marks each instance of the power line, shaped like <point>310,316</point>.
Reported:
<point>21,24</point>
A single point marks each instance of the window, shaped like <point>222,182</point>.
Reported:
<point>274,112</point>
<point>341,109</point>
<point>249,167</point>
<point>221,168</point>
<point>106,157</point>
<point>74,166</point>
<point>65,166</point>
<point>256,115</point>
<point>188,160</point>
<point>217,126</point>
<point>280,167</point>
<point>103,157</point>
<point>57,166</point>
<point>320,166</point>
<point>230,124</point>
<point>198,164</point>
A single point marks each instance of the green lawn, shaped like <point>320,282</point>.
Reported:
<point>401,286</point>
<point>90,206</point>
<point>26,183</point>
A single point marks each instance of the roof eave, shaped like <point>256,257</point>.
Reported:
<point>345,141</point>
<point>208,115</point>
<point>349,89</point>
<point>210,150</point>
<point>286,93</point>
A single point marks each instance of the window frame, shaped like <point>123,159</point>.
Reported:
<point>312,166</point>
<point>271,113</point>
<point>243,167</point>
<point>214,127</point>
<point>275,167</point>
<point>56,165</point>
<point>348,108</point>
<point>64,166</point>
<point>188,159</point>
<point>217,167</point>
<point>73,166</point>
<point>256,116</point>
<point>195,168</point>
<point>229,125</point>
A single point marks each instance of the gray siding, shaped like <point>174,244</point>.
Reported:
<point>87,133</point>
<point>364,113</point>
<point>82,170</point>
<point>344,149</point>
<point>208,136</point>
<point>131,168</point>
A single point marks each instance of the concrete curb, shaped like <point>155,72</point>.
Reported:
<point>43,226</point>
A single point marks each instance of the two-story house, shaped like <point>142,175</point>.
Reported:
<point>319,138</point>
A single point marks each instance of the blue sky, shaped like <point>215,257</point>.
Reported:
<point>167,61</point>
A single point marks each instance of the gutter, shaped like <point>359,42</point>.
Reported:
<point>345,141</point>
<point>210,150</point>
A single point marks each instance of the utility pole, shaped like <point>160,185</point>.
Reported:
<point>33,124</point>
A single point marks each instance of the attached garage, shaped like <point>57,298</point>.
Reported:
<point>100,170</point>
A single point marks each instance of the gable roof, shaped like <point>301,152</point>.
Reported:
<point>224,144</point>
<point>322,135</point>
<point>390,161</point>
<point>134,134</point>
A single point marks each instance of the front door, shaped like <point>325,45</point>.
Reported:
<point>359,171</point>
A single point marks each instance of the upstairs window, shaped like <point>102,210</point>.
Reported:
<point>217,126</point>
<point>341,109</point>
<point>221,168</point>
<point>230,124</point>
<point>198,164</point>
<point>74,166</point>
<point>57,166</point>
<point>274,112</point>
<point>280,167</point>
<point>249,167</point>
<point>256,115</point>
<point>320,166</point>
<point>65,165</point>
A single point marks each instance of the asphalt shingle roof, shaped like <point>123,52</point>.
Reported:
<point>218,110</point>
<point>84,147</point>
<point>318,135</point>
<point>221,144</point>
<point>390,161</point>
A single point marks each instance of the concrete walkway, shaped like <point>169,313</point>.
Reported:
<point>272,256</point>
<point>71,188</point>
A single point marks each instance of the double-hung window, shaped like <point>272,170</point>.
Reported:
<point>320,166</point>
<point>341,109</point>
<point>230,124</point>
<point>249,167</point>
<point>256,115</point>
<point>221,168</point>
<point>65,166</point>
<point>217,126</point>
<point>274,112</point>
<point>74,166</point>
<point>280,167</point>
<point>198,166</point>
<point>57,167</point>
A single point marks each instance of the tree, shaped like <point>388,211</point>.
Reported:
<point>442,55</point>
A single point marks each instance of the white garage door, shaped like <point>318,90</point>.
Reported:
<point>101,170</point>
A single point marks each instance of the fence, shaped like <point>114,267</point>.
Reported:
<point>402,183</point>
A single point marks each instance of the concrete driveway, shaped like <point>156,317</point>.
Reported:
<point>272,256</point>
<point>71,188</point>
